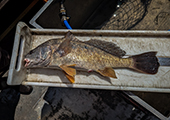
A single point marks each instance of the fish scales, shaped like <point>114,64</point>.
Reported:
<point>92,55</point>
<point>89,57</point>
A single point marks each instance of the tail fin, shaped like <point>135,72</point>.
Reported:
<point>146,63</point>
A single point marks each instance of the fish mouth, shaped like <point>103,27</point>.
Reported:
<point>27,62</point>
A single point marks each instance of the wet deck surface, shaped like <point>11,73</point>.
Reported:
<point>65,103</point>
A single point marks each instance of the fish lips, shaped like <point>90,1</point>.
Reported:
<point>27,62</point>
<point>31,63</point>
<point>37,62</point>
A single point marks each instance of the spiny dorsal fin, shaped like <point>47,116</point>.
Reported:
<point>65,46</point>
<point>107,47</point>
<point>70,36</point>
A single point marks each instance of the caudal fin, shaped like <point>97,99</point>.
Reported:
<point>146,63</point>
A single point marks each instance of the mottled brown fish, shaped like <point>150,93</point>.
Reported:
<point>70,53</point>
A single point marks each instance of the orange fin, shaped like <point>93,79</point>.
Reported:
<point>71,65</point>
<point>108,71</point>
<point>70,72</point>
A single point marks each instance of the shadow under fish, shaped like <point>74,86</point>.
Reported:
<point>69,53</point>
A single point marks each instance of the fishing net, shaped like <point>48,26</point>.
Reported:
<point>128,14</point>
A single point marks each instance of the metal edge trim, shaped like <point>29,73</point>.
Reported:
<point>146,106</point>
<point>97,87</point>
<point>20,25</point>
<point>33,20</point>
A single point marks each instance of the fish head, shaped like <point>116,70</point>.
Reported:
<point>38,57</point>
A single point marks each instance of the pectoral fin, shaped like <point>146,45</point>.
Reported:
<point>109,72</point>
<point>70,72</point>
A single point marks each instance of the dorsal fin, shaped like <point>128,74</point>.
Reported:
<point>65,46</point>
<point>71,37</point>
<point>108,47</point>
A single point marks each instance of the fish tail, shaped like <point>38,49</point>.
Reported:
<point>146,63</point>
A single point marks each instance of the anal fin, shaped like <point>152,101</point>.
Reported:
<point>108,71</point>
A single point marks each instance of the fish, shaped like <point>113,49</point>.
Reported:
<point>70,53</point>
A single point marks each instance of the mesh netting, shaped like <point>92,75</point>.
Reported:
<point>128,14</point>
